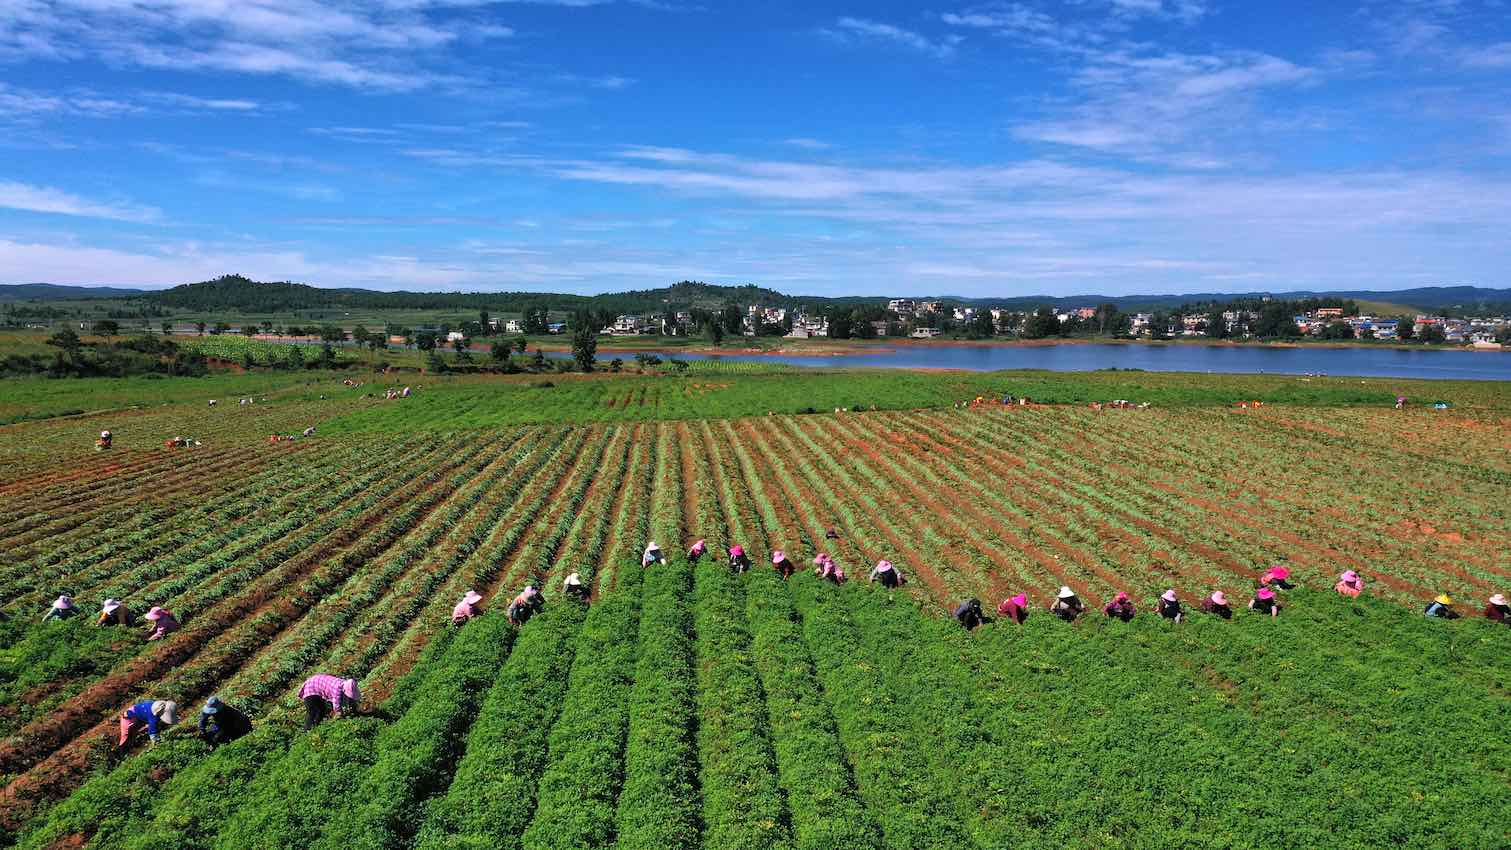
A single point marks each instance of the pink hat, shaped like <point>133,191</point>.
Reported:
<point>1498,599</point>
<point>1169,595</point>
<point>156,613</point>
<point>822,559</point>
<point>884,565</point>
<point>1350,576</point>
<point>1121,597</point>
<point>778,556</point>
<point>349,687</point>
<point>737,550</point>
<point>1265,593</point>
<point>1218,598</point>
<point>472,597</point>
<point>700,544</point>
<point>1020,600</point>
<point>62,602</point>
<point>1280,572</point>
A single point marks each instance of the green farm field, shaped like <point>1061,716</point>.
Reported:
<point>687,706</point>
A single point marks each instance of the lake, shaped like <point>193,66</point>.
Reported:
<point>1361,361</point>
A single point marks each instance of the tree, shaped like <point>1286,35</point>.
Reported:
<point>714,330</point>
<point>327,356</point>
<point>296,357</point>
<point>434,362</point>
<point>1217,326</point>
<point>732,319</point>
<point>65,339</point>
<point>1432,334</point>
<point>982,326</point>
<point>359,334</point>
<point>332,334</point>
<point>538,361</point>
<point>840,325</point>
<point>1276,321</point>
<point>1043,323</point>
<point>521,344</point>
<point>460,345</point>
<point>584,346</point>
<point>425,341</point>
<point>535,320</point>
<point>220,328</point>
<point>1405,329</point>
<point>500,351</point>
<point>167,328</point>
<point>1159,325</point>
<point>199,327</point>
<point>1338,330</point>
<point>249,329</point>
<point>106,328</point>
<point>482,321</point>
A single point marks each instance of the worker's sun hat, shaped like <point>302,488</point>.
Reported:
<point>1020,600</point>
<point>212,705</point>
<point>156,613</point>
<point>1265,593</point>
<point>1498,599</point>
<point>1350,576</point>
<point>1219,598</point>
<point>110,606</point>
<point>62,602</point>
<point>1169,595</point>
<point>1280,572</point>
<point>652,547</point>
<point>472,597</point>
<point>1444,599</point>
<point>778,556</point>
<point>884,565</point>
<point>1066,592</point>
<point>737,549</point>
<point>349,687</point>
<point>166,711</point>
<point>1121,597</point>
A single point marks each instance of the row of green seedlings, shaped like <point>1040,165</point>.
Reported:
<point>815,768</point>
<point>65,655</point>
<point>492,796</point>
<point>188,817</point>
<point>585,767</point>
<point>197,661</point>
<point>658,806</point>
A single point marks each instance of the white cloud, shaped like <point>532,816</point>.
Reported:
<point>1491,56</point>
<point>45,199</point>
<point>852,30</point>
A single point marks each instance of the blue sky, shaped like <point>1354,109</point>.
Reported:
<point>1109,146</point>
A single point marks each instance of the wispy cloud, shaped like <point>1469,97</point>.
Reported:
<point>808,144</point>
<point>857,30</point>
<point>45,199</point>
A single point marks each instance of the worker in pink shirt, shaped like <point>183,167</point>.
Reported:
<point>163,623</point>
<point>1349,584</point>
<point>467,608</point>
<point>737,560</point>
<point>1014,609</point>
<point>325,696</point>
<point>697,551</point>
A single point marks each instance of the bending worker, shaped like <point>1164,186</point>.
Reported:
<point>572,586</point>
<point>325,696</point>
<point>150,715</point>
<point>467,608</point>
<point>783,565</point>
<point>1015,609</point>
<point>62,609</point>
<point>1121,608</point>
<point>969,614</point>
<point>1067,605</point>
<point>652,555</point>
<point>889,576</point>
<point>219,723</point>
<point>113,613</point>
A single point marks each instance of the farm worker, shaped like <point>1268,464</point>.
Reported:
<point>1400,402</point>
<point>1217,604</point>
<point>737,560</point>
<point>831,534</point>
<point>1276,576</point>
<point>405,393</point>
<point>889,576</point>
<point>969,614</point>
<point>221,724</point>
<point>325,695</point>
<point>104,441</point>
<point>652,555</point>
<point>1264,602</point>
<point>825,568</point>
<point>1067,605</point>
<point>151,715</point>
<point>1497,610</point>
<point>310,431</point>
<point>62,609</point>
<point>1015,609</point>
<point>1438,607</point>
<point>782,564</point>
<point>467,608</point>
<point>527,604</point>
<point>697,551</point>
<point>163,623</point>
<point>1169,606</point>
<point>113,613</point>
<point>1349,584</point>
<point>1120,607</point>
<point>572,586</point>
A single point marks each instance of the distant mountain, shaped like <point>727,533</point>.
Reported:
<point>54,292</point>
<point>237,293</point>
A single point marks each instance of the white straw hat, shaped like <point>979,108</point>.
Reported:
<point>1066,592</point>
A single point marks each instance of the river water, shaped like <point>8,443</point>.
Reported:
<point>1362,361</point>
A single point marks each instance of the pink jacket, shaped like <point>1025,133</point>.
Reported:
<point>166,625</point>
<point>1347,589</point>
<point>325,686</point>
<point>463,612</point>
